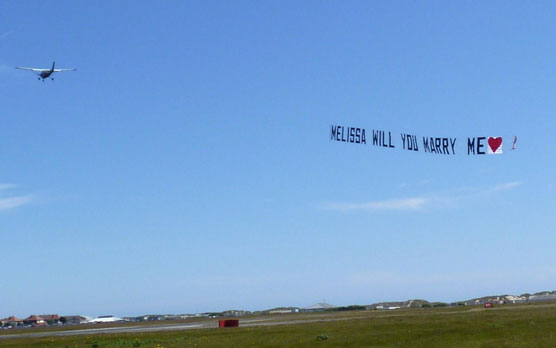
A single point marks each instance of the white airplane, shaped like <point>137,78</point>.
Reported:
<point>45,73</point>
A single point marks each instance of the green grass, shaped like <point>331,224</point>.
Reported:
<point>509,326</point>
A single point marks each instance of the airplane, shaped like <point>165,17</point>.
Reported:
<point>45,73</point>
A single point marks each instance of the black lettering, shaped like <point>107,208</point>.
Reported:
<point>390,140</point>
<point>453,143</point>
<point>437,144</point>
<point>470,146</point>
<point>332,132</point>
<point>480,145</point>
<point>351,135</point>
<point>415,145</point>
<point>403,141</point>
<point>426,144</point>
<point>375,137</point>
<point>445,146</point>
<point>358,135</point>
<point>343,139</point>
<point>363,140</point>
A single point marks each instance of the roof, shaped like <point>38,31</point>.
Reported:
<point>50,316</point>
<point>105,319</point>
<point>12,319</point>
<point>321,305</point>
<point>546,297</point>
<point>33,318</point>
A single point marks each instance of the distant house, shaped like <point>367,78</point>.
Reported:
<point>235,313</point>
<point>51,319</point>
<point>34,320</point>
<point>283,310</point>
<point>515,299</point>
<point>385,307</point>
<point>179,316</point>
<point>10,321</point>
<point>75,319</point>
<point>317,307</point>
<point>152,317</point>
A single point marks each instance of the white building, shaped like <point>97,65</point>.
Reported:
<point>321,306</point>
<point>106,319</point>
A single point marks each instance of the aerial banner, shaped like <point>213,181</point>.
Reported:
<point>472,146</point>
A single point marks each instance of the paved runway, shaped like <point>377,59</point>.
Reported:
<point>108,330</point>
<point>129,329</point>
<point>170,327</point>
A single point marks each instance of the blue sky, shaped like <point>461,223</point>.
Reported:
<point>186,165</point>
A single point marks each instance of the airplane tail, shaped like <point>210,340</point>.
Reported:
<point>53,63</point>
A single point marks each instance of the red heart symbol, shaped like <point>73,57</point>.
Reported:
<point>494,143</point>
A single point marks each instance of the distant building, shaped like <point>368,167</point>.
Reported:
<point>515,299</point>
<point>152,317</point>
<point>280,311</point>
<point>75,319</point>
<point>10,321</point>
<point>106,319</point>
<point>235,313</point>
<point>51,319</point>
<point>317,307</point>
<point>542,298</point>
<point>34,320</point>
<point>385,307</point>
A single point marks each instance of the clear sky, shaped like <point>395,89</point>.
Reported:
<point>186,165</point>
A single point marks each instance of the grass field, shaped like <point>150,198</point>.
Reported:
<point>524,326</point>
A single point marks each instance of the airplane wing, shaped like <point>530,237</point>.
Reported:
<point>32,69</point>
<point>58,70</point>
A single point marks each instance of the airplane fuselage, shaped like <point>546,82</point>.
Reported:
<point>46,74</point>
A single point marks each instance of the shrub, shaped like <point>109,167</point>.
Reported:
<point>441,304</point>
<point>322,337</point>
